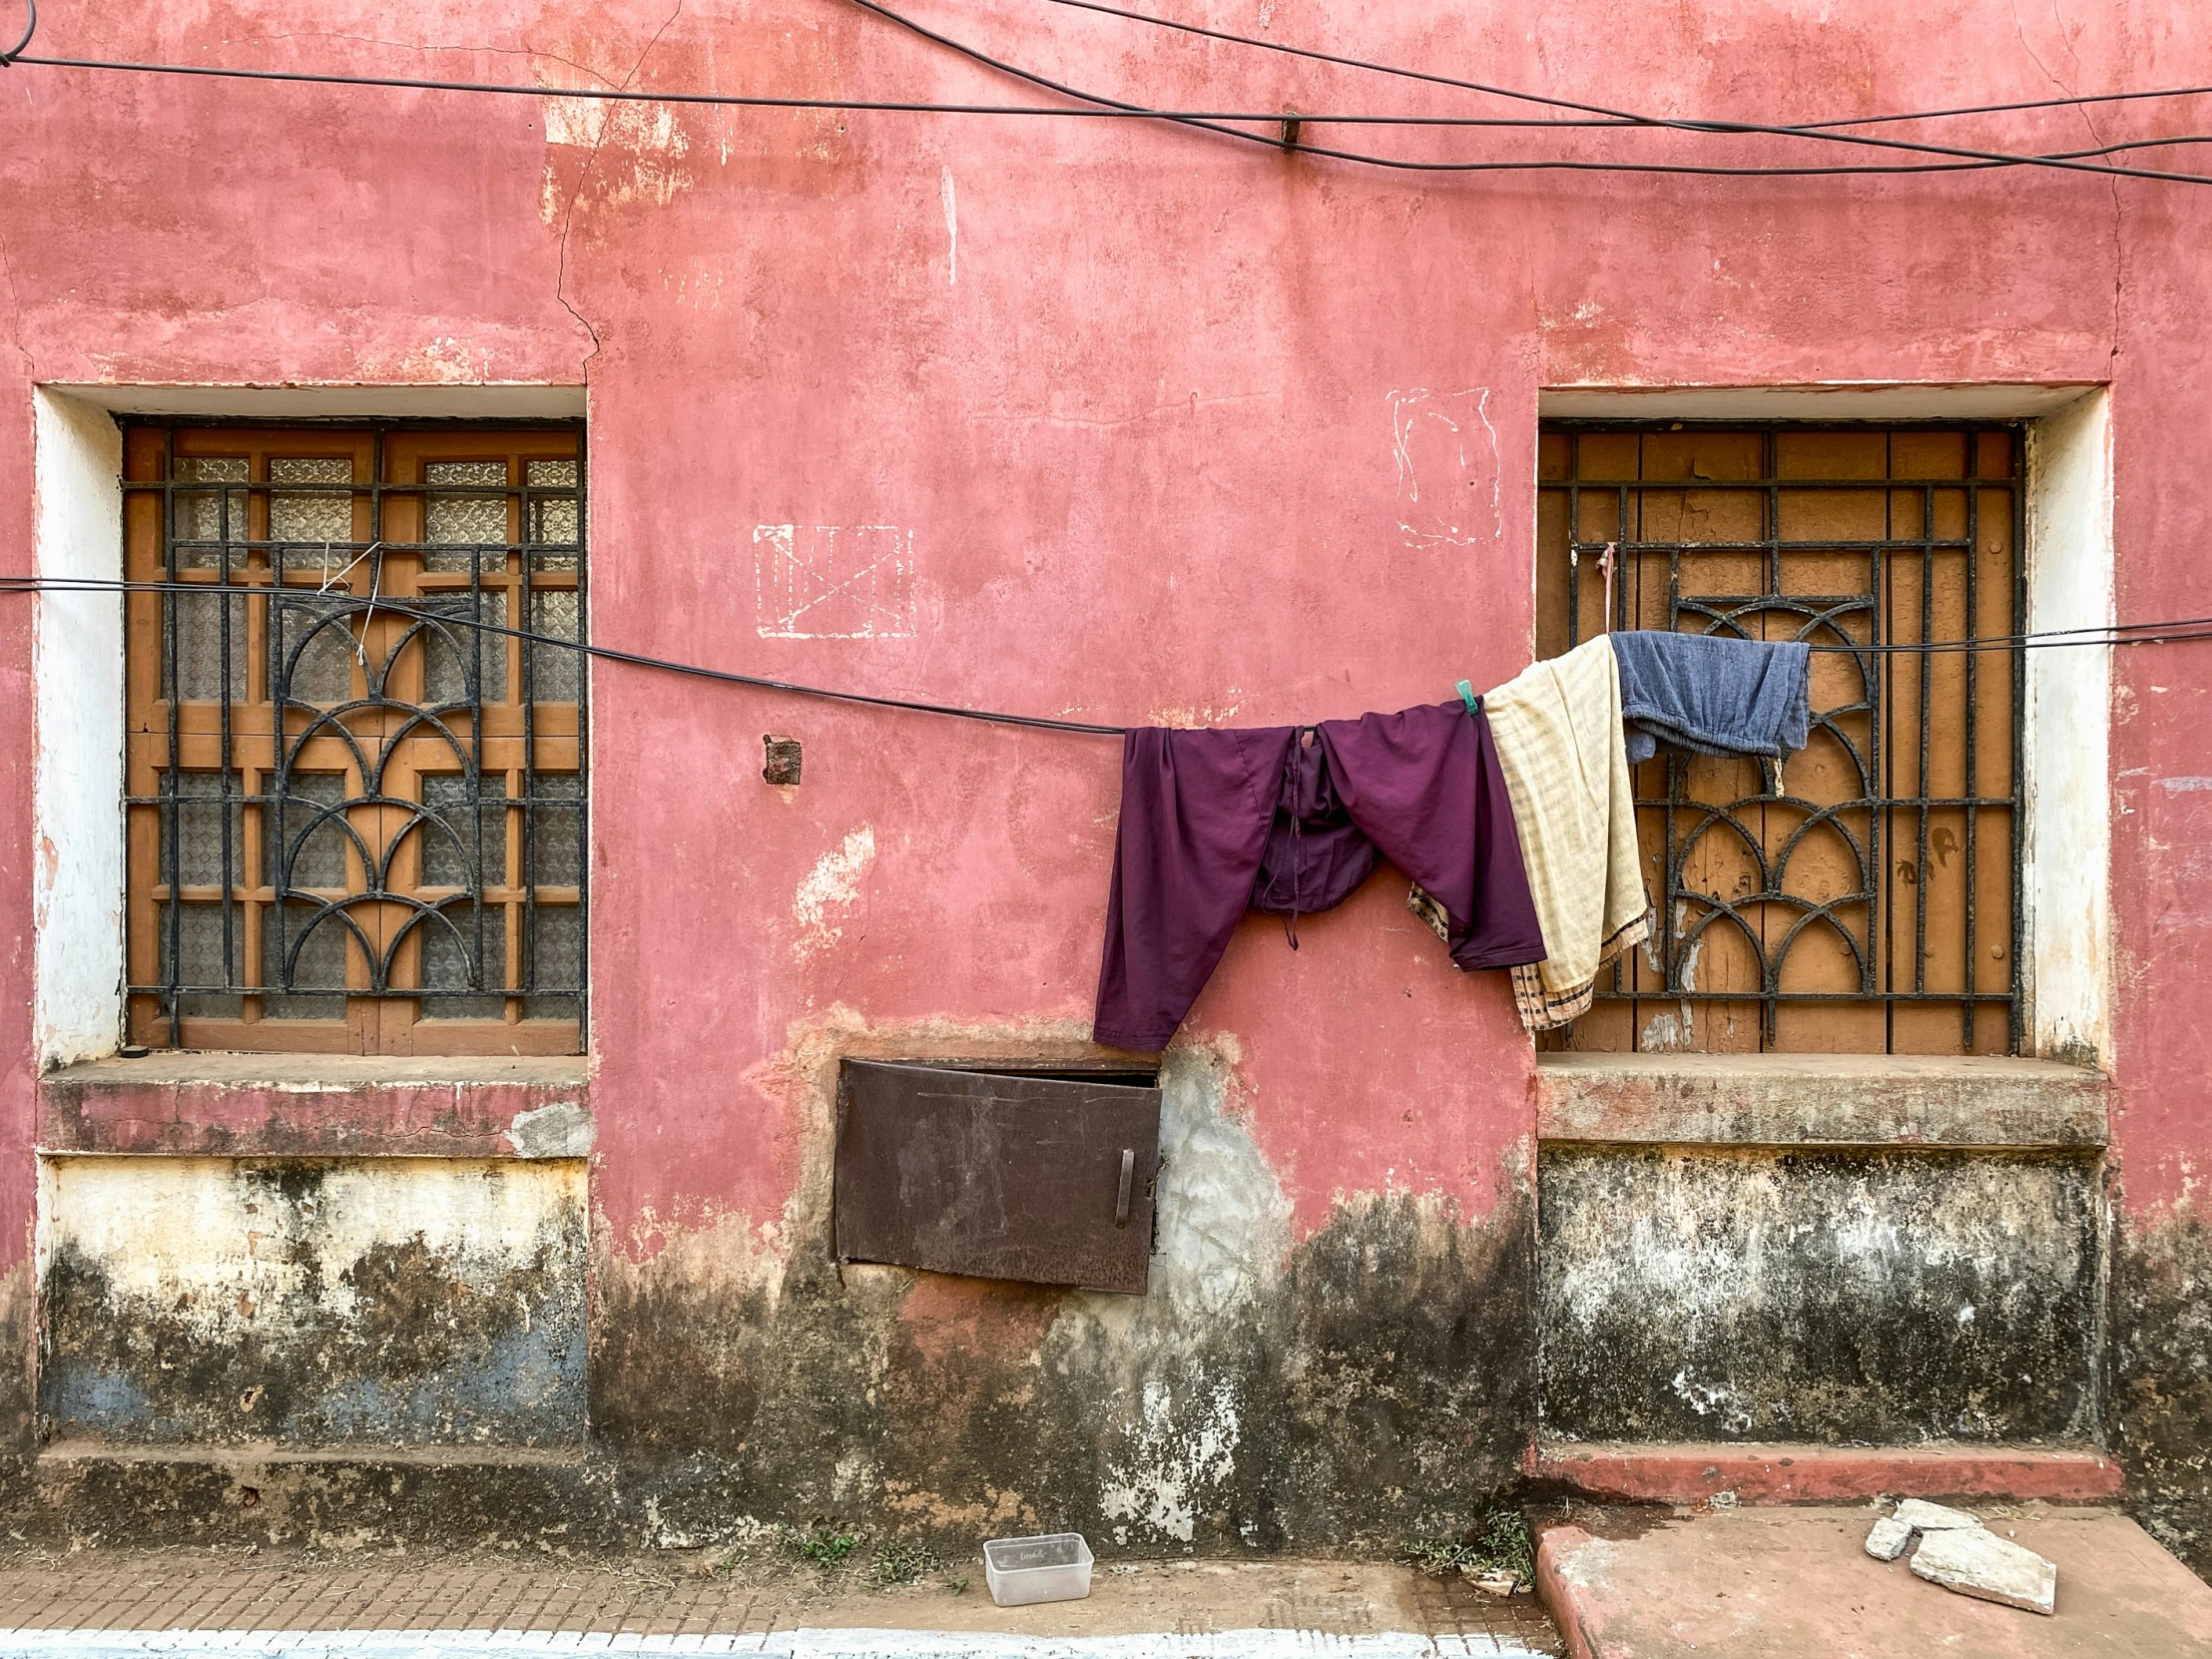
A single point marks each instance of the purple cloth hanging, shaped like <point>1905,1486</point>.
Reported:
<point>1293,819</point>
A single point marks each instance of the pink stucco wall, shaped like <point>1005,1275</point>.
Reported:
<point>1142,437</point>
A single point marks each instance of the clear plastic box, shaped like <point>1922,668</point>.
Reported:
<point>1055,1567</point>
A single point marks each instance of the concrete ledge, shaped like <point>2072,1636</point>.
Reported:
<point>1818,1100</point>
<point>319,1105</point>
<point>1783,1474</point>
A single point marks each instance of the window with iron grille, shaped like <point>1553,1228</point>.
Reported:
<point>356,822</point>
<point>1863,896</point>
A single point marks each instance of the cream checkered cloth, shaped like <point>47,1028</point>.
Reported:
<point>1558,731</point>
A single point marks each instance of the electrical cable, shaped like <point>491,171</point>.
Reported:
<point>1984,156</point>
<point>1107,107</point>
<point>29,28</point>
<point>1624,118</point>
<point>2179,629</point>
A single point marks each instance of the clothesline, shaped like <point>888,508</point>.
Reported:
<point>2170,632</point>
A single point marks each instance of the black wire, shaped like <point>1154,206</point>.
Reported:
<point>1626,117</point>
<point>29,28</point>
<point>635,659</point>
<point>1111,109</point>
<point>2112,634</point>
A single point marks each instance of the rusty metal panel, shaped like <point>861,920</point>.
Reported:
<point>1048,1179</point>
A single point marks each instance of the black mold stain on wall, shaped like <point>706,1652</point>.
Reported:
<point>1379,1387</point>
<point>1823,1297</point>
<point>2162,1394</point>
<point>398,1343</point>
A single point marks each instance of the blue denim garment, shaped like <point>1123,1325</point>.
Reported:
<point>1712,694</point>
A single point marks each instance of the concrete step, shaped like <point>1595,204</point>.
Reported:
<point>1782,1472</point>
<point>1796,1583</point>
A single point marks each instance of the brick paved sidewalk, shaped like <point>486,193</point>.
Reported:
<point>97,1603</point>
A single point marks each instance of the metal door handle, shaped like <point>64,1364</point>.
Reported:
<point>1121,1196</point>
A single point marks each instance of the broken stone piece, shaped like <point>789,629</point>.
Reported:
<point>1499,1583</point>
<point>1886,1539</point>
<point>1976,1562</point>
<point>1923,1517</point>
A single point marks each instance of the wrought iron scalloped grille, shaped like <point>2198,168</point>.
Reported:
<point>357,821</point>
<point>1865,896</point>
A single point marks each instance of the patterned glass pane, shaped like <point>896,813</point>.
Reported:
<point>456,840</point>
<point>555,520</point>
<point>557,832</point>
<point>316,844</point>
<point>447,649</point>
<point>311,658</point>
<point>460,520</point>
<point>314,942</point>
<point>556,676</point>
<point>200,514</point>
<point>323,516</point>
<point>202,644</point>
<point>199,846</point>
<point>556,962</point>
<point>447,955</point>
<point>201,955</point>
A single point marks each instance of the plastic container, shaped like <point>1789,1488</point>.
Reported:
<point>1055,1567</point>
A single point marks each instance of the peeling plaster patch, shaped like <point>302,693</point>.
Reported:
<point>639,147</point>
<point>951,229</point>
<point>835,879</point>
<point>1186,716</point>
<point>1440,461</point>
<point>1175,1459</point>
<point>561,1130</point>
<point>831,582</point>
<point>2184,786</point>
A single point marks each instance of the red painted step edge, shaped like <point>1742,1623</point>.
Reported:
<point>1782,1473</point>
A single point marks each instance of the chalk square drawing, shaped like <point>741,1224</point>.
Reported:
<point>1447,466</point>
<point>833,582</point>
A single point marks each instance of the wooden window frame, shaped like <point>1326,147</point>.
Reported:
<point>1933,902</point>
<point>490,720</point>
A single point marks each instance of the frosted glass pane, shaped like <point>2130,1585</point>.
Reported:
<point>465,519</point>
<point>450,840</point>
<point>315,941</point>
<point>554,520</point>
<point>447,960</point>
<point>199,831</point>
<point>197,619</point>
<point>199,514</point>
<point>311,664</point>
<point>199,950</point>
<point>557,832</point>
<point>317,845</point>
<point>446,652</point>
<point>326,516</point>
<point>557,676</point>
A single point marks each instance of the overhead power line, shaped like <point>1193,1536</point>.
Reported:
<point>1095,106</point>
<point>2115,634</point>
<point>1996,157</point>
<point>1810,129</point>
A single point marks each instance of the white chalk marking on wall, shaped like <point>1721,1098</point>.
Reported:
<point>779,1644</point>
<point>832,582</point>
<point>1442,467</point>
<point>834,881</point>
<point>951,227</point>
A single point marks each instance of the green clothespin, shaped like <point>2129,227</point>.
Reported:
<point>1466,695</point>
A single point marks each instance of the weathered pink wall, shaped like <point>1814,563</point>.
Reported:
<point>1143,442</point>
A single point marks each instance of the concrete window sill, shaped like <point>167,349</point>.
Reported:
<point>1832,1100</point>
<point>319,1105</point>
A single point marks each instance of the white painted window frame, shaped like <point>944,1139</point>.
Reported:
<point>76,657</point>
<point>2066,980</point>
